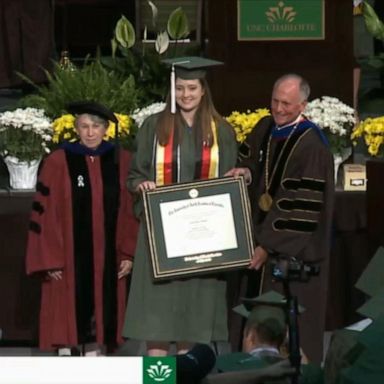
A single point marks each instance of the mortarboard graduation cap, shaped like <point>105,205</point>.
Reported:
<point>270,299</point>
<point>373,334</point>
<point>188,68</point>
<point>372,279</point>
<point>97,109</point>
<point>270,305</point>
<point>373,308</point>
<point>92,108</point>
<point>368,366</point>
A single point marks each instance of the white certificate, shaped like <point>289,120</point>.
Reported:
<point>198,225</point>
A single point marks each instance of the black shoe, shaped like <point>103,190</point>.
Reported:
<point>75,351</point>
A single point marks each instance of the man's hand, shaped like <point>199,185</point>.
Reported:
<point>259,257</point>
<point>237,172</point>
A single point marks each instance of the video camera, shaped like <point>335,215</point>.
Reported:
<point>292,269</point>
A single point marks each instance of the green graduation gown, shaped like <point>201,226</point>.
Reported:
<point>241,361</point>
<point>191,309</point>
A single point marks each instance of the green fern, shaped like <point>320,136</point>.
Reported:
<point>90,82</point>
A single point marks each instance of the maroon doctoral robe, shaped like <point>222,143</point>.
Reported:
<point>81,223</point>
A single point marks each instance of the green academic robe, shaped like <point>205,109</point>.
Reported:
<point>241,361</point>
<point>189,309</point>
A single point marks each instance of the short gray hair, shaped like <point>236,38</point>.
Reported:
<point>94,118</point>
<point>304,87</point>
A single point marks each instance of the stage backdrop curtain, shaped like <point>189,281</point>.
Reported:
<point>26,40</point>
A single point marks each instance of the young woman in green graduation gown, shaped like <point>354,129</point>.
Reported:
<point>190,143</point>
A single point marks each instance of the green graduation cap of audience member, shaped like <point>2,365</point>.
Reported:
<point>372,279</point>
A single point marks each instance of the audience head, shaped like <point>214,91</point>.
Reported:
<point>265,326</point>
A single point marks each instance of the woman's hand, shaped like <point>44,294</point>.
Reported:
<point>55,274</point>
<point>145,186</point>
<point>125,268</point>
<point>237,172</point>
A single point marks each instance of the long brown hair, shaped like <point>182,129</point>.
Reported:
<point>205,113</point>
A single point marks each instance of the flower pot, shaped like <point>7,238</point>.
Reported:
<point>22,174</point>
<point>339,158</point>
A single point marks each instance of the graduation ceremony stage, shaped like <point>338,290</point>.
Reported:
<point>19,294</point>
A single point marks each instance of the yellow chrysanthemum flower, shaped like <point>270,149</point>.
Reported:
<point>372,130</point>
<point>243,123</point>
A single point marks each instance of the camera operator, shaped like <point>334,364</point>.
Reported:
<point>289,168</point>
<point>264,333</point>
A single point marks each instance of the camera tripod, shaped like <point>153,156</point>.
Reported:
<point>291,311</point>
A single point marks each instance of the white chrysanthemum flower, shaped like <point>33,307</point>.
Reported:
<point>139,115</point>
<point>334,117</point>
<point>25,133</point>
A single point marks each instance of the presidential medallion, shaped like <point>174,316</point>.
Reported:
<point>265,202</point>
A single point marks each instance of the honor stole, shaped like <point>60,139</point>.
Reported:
<point>167,160</point>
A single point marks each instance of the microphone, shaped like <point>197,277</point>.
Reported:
<point>194,365</point>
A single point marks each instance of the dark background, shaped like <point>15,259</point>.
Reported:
<point>34,32</point>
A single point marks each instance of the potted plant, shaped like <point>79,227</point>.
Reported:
<point>91,81</point>
<point>25,136</point>
<point>337,120</point>
<point>142,59</point>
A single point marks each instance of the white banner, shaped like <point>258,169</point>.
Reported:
<point>71,370</point>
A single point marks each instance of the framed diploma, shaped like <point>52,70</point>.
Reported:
<point>198,227</point>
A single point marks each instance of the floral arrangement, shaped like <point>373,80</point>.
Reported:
<point>64,128</point>
<point>25,134</point>
<point>335,118</point>
<point>372,129</point>
<point>139,115</point>
<point>244,122</point>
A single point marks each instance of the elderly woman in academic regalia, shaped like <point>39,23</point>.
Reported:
<point>82,236</point>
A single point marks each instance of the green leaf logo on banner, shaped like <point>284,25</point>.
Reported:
<point>160,370</point>
<point>281,19</point>
<point>281,13</point>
